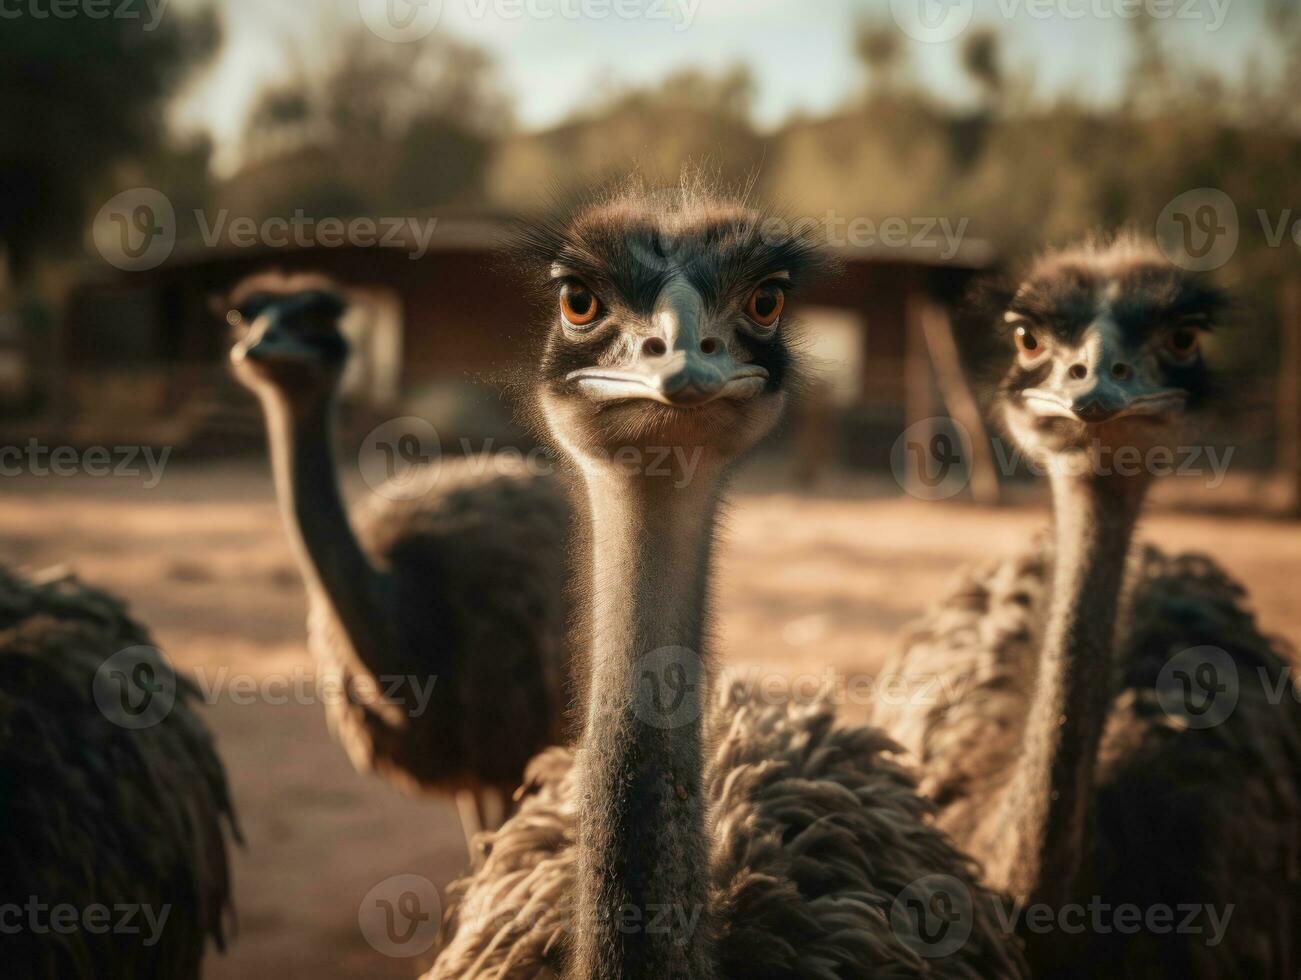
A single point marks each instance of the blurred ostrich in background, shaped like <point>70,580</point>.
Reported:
<point>1073,755</point>
<point>776,844</point>
<point>460,585</point>
<point>112,796</point>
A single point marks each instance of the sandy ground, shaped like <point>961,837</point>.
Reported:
<point>806,584</point>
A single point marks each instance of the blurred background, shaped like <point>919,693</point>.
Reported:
<point>152,154</point>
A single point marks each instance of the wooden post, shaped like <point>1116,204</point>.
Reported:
<point>937,331</point>
<point>1289,392</point>
<point>919,401</point>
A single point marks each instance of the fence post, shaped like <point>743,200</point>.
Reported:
<point>1289,392</point>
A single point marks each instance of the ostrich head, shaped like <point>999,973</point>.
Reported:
<point>1107,340</point>
<point>668,324</point>
<point>289,343</point>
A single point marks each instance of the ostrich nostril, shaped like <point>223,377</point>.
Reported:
<point>1079,372</point>
<point>709,345</point>
<point>654,347</point>
<point>1120,371</point>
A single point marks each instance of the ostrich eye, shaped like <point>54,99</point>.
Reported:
<point>1183,342</point>
<point>765,304</point>
<point>578,304</point>
<point>235,318</point>
<point>1029,344</point>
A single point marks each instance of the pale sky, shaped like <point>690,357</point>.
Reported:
<point>554,56</point>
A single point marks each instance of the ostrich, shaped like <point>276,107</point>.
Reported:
<point>1067,757</point>
<point>689,835</point>
<point>445,617</point>
<point>115,806</point>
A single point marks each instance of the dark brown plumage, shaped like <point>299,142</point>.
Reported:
<point>816,834</point>
<point>440,607</point>
<point>478,565</point>
<point>1176,812</point>
<point>99,815</point>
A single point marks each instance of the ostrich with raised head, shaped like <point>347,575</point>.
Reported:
<point>114,808</point>
<point>694,834</point>
<point>1079,752</point>
<point>444,615</point>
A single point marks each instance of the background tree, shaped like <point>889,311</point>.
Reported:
<point>78,98</point>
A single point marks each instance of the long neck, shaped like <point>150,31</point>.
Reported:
<point>331,560</point>
<point>643,852</point>
<point>1048,811</point>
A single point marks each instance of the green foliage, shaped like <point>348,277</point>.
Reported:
<point>79,96</point>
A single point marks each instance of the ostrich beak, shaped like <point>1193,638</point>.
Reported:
<point>679,381</point>
<point>1102,383</point>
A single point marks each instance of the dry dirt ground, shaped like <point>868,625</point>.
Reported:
<point>806,584</point>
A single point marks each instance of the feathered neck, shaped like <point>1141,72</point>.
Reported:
<point>332,562</point>
<point>643,852</point>
<point>1047,852</point>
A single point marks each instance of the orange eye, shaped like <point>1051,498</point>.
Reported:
<point>1183,342</point>
<point>578,304</point>
<point>1028,343</point>
<point>765,304</point>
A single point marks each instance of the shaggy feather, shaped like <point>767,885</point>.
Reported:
<point>1185,815</point>
<point>479,562</point>
<point>816,832</point>
<point>97,814</point>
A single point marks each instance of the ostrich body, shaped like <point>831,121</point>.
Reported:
<point>112,798</point>
<point>444,617</point>
<point>692,835</point>
<point>1066,757</point>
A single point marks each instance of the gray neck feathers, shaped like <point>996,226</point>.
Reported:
<point>644,854</point>
<point>329,557</point>
<point>1048,808</point>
